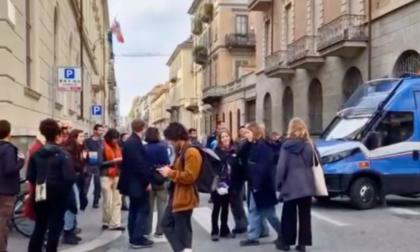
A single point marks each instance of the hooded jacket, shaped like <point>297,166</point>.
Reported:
<point>10,166</point>
<point>295,178</point>
<point>52,165</point>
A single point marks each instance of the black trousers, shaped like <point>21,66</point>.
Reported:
<point>49,215</point>
<point>177,228</point>
<point>237,207</point>
<point>220,209</point>
<point>291,210</point>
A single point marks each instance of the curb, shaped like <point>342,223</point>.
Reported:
<point>98,244</point>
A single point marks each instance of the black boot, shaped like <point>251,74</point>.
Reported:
<point>70,238</point>
<point>300,248</point>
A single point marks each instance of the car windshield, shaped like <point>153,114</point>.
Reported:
<point>371,94</point>
<point>346,128</point>
<point>359,108</point>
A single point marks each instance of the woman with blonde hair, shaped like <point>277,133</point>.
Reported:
<point>262,197</point>
<point>295,181</point>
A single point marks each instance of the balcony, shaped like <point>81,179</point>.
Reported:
<point>173,77</point>
<point>343,37</point>
<point>196,26</point>
<point>206,15</point>
<point>259,5</point>
<point>200,55</point>
<point>276,65</point>
<point>169,108</point>
<point>212,94</point>
<point>244,41</point>
<point>303,54</point>
<point>191,104</point>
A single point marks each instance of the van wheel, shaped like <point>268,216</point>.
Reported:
<point>322,199</point>
<point>364,193</point>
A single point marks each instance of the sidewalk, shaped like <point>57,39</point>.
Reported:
<point>90,221</point>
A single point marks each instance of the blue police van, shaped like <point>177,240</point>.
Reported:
<point>371,148</point>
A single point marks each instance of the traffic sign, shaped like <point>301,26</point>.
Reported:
<point>69,78</point>
<point>96,110</point>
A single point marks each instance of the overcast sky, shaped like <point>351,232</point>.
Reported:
<point>148,26</point>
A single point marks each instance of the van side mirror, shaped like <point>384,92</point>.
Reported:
<point>374,140</point>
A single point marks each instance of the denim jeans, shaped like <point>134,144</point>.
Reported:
<point>93,174</point>
<point>138,216</point>
<point>257,217</point>
<point>70,220</point>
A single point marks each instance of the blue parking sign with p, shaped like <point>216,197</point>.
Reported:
<point>69,73</point>
<point>96,110</point>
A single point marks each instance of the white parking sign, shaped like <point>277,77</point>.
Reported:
<point>69,79</point>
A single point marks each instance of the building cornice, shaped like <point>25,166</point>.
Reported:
<point>193,8</point>
<point>185,45</point>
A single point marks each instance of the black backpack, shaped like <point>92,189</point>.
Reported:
<point>207,174</point>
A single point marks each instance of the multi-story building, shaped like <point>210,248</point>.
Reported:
<point>135,110</point>
<point>312,54</point>
<point>183,91</point>
<point>36,37</point>
<point>223,42</point>
<point>159,116</point>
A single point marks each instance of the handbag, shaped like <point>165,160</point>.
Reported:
<point>218,180</point>
<point>319,177</point>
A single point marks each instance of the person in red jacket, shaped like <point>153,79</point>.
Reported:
<point>29,210</point>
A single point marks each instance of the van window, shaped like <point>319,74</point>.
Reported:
<point>395,128</point>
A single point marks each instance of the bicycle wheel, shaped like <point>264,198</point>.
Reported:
<point>20,222</point>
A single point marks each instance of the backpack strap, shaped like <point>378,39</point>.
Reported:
<point>182,154</point>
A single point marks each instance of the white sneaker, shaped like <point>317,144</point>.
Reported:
<point>188,250</point>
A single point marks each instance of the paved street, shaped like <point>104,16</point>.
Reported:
<point>90,221</point>
<point>336,228</point>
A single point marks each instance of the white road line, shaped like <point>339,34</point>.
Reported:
<point>202,215</point>
<point>155,239</point>
<point>403,211</point>
<point>328,219</point>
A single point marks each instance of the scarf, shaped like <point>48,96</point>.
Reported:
<point>112,153</point>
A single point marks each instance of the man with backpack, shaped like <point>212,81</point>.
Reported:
<point>183,188</point>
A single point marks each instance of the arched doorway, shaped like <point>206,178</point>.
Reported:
<point>230,122</point>
<point>407,63</point>
<point>267,113</point>
<point>315,107</point>
<point>288,107</point>
<point>352,80</point>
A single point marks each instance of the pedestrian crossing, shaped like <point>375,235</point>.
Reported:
<point>333,218</point>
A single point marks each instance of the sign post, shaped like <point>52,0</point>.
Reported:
<point>96,111</point>
<point>69,79</point>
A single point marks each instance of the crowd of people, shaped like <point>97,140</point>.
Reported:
<point>141,172</point>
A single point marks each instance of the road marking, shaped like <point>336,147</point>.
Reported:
<point>403,211</point>
<point>328,219</point>
<point>154,223</point>
<point>202,215</point>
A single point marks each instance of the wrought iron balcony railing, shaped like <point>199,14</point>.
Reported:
<point>240,39</point>
<point>302,48</point>
<point>347,27</point>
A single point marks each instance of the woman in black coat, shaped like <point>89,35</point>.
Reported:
<point>262,198</point>
<point>225,149</point>
<point>123,138</point>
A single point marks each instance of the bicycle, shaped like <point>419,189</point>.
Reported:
<point>19,221</point>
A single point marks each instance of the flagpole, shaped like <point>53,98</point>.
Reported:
<point>81,61</point>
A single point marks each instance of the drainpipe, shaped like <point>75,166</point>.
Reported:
<point>369,49</point>
<point>272,28</point>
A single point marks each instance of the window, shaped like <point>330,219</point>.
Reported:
<point>28,32</point>
<point>288,23</point>
<point>241,24</point>
<point>267,32</point>
<point>223,117</point>
<point>238,119</point>
<point>215,31</point>
<point>395,128</point>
